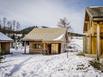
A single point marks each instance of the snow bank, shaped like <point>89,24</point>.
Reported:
<point>78,42</point>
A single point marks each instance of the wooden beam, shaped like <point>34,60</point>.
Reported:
<point>98,41</point>
<point>90,44</point>
<point>43,48</point>
<point>25,47</point>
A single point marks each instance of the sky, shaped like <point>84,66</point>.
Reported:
<point>47,12</point>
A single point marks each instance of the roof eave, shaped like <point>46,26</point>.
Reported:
<point>31,39</point>
<point>100,19</point>
<point>6,41</point>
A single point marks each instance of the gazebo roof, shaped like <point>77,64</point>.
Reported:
<point>95,11</point>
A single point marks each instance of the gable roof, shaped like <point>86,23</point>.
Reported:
<point>95,11</point>
<point>4,38</point>
<point>46,34</point>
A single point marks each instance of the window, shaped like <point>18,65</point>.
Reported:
<point>37,46</point>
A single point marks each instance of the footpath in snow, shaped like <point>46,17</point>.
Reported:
<point>23,65</point>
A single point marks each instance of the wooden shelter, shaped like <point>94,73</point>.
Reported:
<point>93,30</point>
<point>5,44</point>
<point>46,40</point>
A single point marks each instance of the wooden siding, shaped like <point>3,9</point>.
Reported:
<point>49,48</point>
<point>34,50</point>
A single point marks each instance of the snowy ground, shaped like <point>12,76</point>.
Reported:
<point>38,65</point>
<point>22,65</point>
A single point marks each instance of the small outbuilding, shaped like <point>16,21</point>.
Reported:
<point>93,30</point>
<point>5,43</point>
<point>46,40</point>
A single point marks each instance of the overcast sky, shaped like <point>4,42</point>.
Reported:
<point>47,12</point>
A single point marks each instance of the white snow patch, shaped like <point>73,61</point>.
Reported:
<point>60,37</point>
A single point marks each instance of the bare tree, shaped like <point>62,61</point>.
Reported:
<point>17,26</point>
<point>0,23</point>
<point>4,21</point>
<point>8,24</point>
<point>13,24</point>
<point>64,23</point>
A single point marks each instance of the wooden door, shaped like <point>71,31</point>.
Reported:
<point>54,48</point>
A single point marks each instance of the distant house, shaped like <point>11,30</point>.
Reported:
<point>5,44</point>
<point>93,30</point>
<point>46,40</point>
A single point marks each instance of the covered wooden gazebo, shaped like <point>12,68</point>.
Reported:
<point>93,30</point>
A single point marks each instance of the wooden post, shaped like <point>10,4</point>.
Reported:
<point>98,41</point>
<point>44,48</point>
<point>25,47</point>
<point>91,44</point>
<point>84,44</point>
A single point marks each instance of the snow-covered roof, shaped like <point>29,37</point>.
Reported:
<point>4,38</point>
<point>46,34</point>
